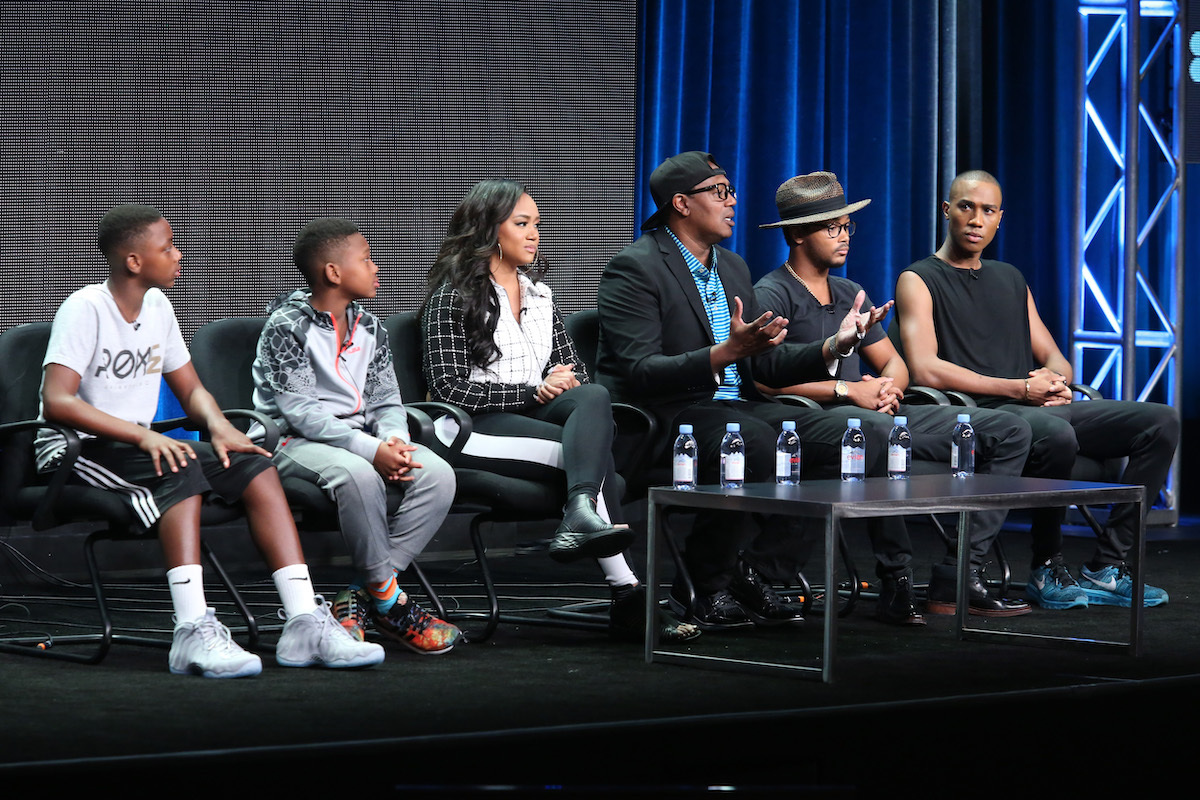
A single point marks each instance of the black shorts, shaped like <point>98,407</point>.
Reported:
<point>128,470</point>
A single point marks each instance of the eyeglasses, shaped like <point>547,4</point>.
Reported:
<point>834,230</point>
<point>723,190</point>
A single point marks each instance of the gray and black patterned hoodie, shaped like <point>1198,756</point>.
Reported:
<point>341,393</point>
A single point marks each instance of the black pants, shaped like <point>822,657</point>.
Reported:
<point>568,438</point>
<point>1146,433</point>
<point>770,544</point>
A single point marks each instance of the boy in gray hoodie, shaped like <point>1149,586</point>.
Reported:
<point>324,373</point>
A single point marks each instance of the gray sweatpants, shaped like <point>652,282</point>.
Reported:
<point>377,543</point>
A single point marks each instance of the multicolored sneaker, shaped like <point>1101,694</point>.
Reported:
<point>1113,586</point>
<point>350,610</point>
<point>416,628</point>
<point>1051,586</point>
<point>204,647</point>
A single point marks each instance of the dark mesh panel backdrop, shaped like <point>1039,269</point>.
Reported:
<point>242,121</point>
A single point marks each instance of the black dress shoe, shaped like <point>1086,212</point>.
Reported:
<point>627,618</point>
<point>760,601</point>
<point>941,599</point>
<point>716,611</point>
<point>897,604</point>
<point>584,533</point>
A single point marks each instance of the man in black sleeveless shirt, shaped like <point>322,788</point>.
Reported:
<point>815,220</point>
<point>970,324</point>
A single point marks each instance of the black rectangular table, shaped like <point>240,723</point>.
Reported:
<point>835,500</point>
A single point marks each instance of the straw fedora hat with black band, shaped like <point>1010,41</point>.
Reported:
<point>814,197</point>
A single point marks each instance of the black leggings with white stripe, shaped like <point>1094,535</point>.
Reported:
<point>570,437</point>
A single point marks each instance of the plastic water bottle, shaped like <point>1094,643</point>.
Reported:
<point>854,451</point>
<point>787,455</point>
<point>962,448</point>
<point>683,459</point>
<point>733,457</point>
<point>899,450</point>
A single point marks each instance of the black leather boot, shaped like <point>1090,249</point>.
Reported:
<point>940,598</point>
<point>760,600</point>
<point>584,533</point>
<point>897,604</point>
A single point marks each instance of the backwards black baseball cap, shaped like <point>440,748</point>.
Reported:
<point>677,174</point>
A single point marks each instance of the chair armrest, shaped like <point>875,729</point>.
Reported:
<point>926,396</point>
<point>433,410</point>
<point>961,399</point>
<point>44,516</point>
<point>798,400</point>
<point>636,424</point>
<point>1089,392</point>
<point>270,435</point>
<point>420,425</point>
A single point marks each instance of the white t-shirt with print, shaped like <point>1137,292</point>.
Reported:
<point>120,364</point>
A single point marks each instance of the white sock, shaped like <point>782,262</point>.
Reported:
<point>187,592</point>
<point>617,570</point>
<point>295,589</point>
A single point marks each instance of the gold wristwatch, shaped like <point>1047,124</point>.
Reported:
<point>841,391</point>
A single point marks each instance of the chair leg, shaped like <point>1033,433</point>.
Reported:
<point>489,586</point>
<point>682,576</point>
<point>427,587</point>
<point>234,594</point>
<point>851,599</point>
<point>45,647</point>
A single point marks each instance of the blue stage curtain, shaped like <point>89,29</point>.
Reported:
<point>776,88</point>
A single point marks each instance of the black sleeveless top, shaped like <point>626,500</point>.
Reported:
<point>980,317</point>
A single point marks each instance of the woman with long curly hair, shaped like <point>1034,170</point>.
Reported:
<point>495,345</point>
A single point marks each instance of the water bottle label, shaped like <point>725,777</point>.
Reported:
<point>735,467</point>
<point>954,455</point>
<point>684,469</point>
<point>853,461</point>
<point>897,459</point>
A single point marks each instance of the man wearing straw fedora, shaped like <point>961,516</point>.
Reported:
<point>682,335</point>
<point>816,225</point>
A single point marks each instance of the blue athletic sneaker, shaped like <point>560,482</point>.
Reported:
<point>1051,586</point>
<point>1113,586</point>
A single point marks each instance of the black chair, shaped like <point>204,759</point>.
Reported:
<point>49,501</point>
<point>223,352</point>
<point>487,497</point>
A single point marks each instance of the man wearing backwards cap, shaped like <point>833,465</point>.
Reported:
<point>674,338</point>
<point>816,224</point>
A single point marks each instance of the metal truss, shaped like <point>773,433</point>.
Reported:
<point>1127,248</point>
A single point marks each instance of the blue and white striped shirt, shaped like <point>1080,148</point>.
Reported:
<point>712,293</point>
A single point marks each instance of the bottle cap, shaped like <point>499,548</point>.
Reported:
<point>733,426</point>
<point>789,425</point>
<point>964,417</point>
<point>901,421</point>
<point>853,422</point>
<point>685,428</point>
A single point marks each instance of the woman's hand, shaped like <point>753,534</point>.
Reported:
<point>560,378</point>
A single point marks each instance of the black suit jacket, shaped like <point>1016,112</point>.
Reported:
<point>655,335</point>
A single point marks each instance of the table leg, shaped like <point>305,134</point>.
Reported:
<point>962,600</point>
<point>833,532</point>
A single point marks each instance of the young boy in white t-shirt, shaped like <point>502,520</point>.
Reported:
<point>110,347</point>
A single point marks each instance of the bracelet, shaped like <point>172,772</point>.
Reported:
<point>1027,390</point>
<point>832,341</point>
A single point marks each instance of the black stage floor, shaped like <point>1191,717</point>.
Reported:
<point>539,708</point>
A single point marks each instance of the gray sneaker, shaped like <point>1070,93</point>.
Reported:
<point>317,639</point>
<point>204,647</point>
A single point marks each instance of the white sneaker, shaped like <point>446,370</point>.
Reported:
<point>205,647</point>
<point>317,639</point>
